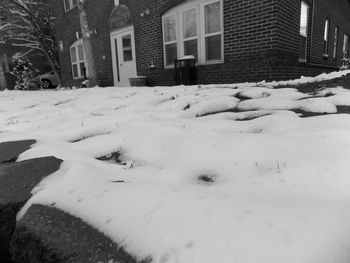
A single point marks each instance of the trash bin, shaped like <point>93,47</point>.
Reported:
<point>139,81</point>
<point>185,71</point>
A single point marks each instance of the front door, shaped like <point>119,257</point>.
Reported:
<point>123,56</point>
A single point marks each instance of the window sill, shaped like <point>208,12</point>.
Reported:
<point>325,56</point>
<point>302,60</point>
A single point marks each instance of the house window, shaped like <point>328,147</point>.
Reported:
<point>335,42</point>
<point>194,28</point>
<point>69,4</point>
<point>304,21</point>
<point>325,38</point>
<point>77,56</point>
<point>170,39</point>
<point>346,46</point>
<point>190,32</point>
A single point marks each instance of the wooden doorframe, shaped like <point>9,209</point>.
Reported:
<point>114,51</point>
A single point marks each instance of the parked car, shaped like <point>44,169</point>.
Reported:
<point>49,80</point>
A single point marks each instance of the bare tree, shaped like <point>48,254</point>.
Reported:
<point>29,24</point>
<point>86,33</point>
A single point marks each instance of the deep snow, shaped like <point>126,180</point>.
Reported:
<point>254,183</point>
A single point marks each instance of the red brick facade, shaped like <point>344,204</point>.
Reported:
<point>261,39</point>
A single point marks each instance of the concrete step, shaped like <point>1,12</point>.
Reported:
<point>17,180</point>
<point>47,234</point>
<point>9,151</point>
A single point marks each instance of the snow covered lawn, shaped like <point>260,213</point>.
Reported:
<point>158,172</point>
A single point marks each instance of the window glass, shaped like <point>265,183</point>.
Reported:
<point>170,28</point>
<point>213,48</point>
<point>325,38</point>
<point>170,53</point>
<point>78,60</point>
<point>75,3</point>
<point>326,29</point>
<point>212,18</point>
<point>189,20</point>
<point>335,43</point>
<point>182,36</point>
<point>346,46</point>
<point>127,49</point>
<point>81,52</point>
<point>75,70</point>
<point>304,19</point>
<point>82,69</point>
<point>190,48</point>
<point>73,54</point>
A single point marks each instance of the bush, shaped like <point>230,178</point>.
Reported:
<point>27,76</point>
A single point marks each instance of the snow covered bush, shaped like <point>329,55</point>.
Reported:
<point>26,74</point>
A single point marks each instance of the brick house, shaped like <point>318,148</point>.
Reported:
<point>232,40</point>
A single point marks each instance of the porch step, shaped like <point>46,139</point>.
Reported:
<point>17,180</point>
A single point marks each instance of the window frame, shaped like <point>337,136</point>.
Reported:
<point>178,11</point>
<point>204,35</point>
<point>346,46</point>
<point>182,38</point>
<point>304,59</point>
<point>72,5</point>
<point>335,42</point>
<point>170,42</point>
<point>326,38</point>
<point>78,61</point>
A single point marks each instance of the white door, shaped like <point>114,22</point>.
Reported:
<point>123,56</point>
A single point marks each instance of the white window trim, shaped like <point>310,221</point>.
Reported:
<point>176,41</point>
<point>178,12</point>
<point>182,39</point>
<point>346,46</point>
<point>71,5</point>
<point>78,61</point>
<point>335,42</point>
<point>304,60</point>
<point>326,38</point>
<point>204,35</point>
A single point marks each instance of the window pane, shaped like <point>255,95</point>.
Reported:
<point>189,20</point>
<point>304,16</point>
<point>191,48</point>
<point>82,69</point>
<point>213,48</point>
<point>326,27</point>
<point>73,55</point>
<point>81,52</point>
<point>335,43</point>
<point>171,53</point>
<point>127,49</point>
<point>75,70</point>
<point>212,18</point>
<point>170,28</point>
<point>75,3</point>
<point>346,46</point>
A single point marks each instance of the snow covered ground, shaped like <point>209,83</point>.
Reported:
<point>158,172</point>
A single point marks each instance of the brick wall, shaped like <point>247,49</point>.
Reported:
<point>261,39</point>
